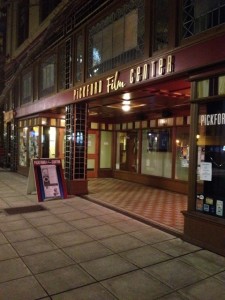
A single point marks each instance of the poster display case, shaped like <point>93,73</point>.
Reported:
<point>47,179</point>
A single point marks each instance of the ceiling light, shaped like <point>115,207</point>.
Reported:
<point>125,107</point>
<point>126,96</point>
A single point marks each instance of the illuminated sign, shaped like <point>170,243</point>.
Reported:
<point>212,119</point>
<point>113,83</point>
<point>147,71</point>
<point>153,69</point>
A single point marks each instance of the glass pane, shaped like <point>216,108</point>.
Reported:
<point>203,88</point>
<point>210,196</point>
<point>221,85</point>
<point>23,146</point>
<point>106,149</point>
<point>182,153</point>
<point>161,16</point>
<point>156,153</point>
<point>91,164</point>
<point>118,37</point>
<point>97,49</point>
<point>79,57</point>
<point>26,88</point>
<point>52,142</point>
<point>91,143</point>
<point>127,151</point>
<point>107,43</point>
<point>33,142</point>
<point>131,28</point>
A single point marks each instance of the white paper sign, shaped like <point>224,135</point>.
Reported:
<point>206,171</point>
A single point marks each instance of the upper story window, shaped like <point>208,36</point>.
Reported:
<point>26,88</point>
<point>161,24</point>
<point>117,39</point>
<point>23,21</point>
<point>48,75</point>
<point>200,15</point>
<point>46,7</point>
<point>79,57</point>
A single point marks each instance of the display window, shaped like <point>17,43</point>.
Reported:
<point>182,153</point>
<point>157,152</point>
<point>23,143</point>
<point>40,141</point>
<point>210,195</point>
<point>33,142</point>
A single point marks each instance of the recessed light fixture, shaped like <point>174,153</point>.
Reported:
<point>126,96</point>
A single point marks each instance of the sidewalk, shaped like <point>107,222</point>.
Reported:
<point>76,249</point>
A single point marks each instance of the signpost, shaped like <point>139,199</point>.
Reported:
<point>47,179</point>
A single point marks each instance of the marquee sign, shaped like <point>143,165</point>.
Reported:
<point>119,80</point>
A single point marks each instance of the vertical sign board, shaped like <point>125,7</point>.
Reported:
<point>47,174</point>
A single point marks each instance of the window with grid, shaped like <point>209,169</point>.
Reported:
<point>117,39</point>
<point>201,15</point>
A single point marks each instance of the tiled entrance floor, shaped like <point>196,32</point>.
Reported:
<point>153,205</point>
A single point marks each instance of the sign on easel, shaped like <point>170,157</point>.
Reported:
<point>46,179</point>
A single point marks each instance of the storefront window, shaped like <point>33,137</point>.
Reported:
<point>182,153</point>
<point>157,153</point>
<point>127,151</point>
<point>23,141</point>
<point>210,196</point>
<point>33,142</point>
<point>106,150</point>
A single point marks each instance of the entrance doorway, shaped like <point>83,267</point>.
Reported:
<point>127,154</point>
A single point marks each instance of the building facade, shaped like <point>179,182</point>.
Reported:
<point>132,90</point>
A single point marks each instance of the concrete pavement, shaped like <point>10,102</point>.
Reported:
<point>76,249</point>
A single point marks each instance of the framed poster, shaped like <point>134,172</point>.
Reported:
<point>46,176</point>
